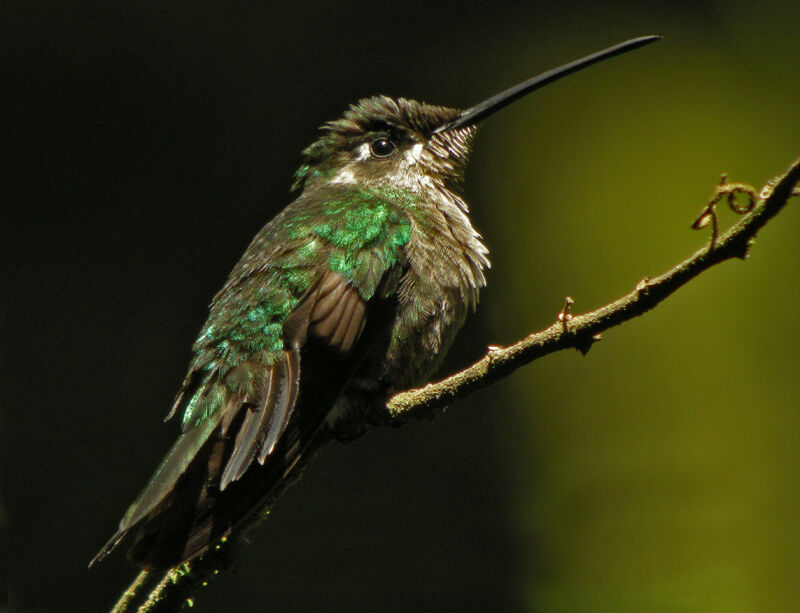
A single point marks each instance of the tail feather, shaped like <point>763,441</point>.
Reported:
<point>208,484</point>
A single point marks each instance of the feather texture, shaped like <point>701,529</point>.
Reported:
<point>359,285</point>
<point>240,395</point>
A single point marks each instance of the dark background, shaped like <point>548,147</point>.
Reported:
<point>146,146</point>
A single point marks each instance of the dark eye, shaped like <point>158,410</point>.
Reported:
<point>381,147</point>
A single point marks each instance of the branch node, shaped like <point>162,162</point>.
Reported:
<point>643,287</point>
<point>728,191</point>
<point>492,352</point>
<point>744,251</point>
<point>587,343</point>
<point>564,316</point>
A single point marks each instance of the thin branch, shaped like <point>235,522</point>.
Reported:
<point>129,594</point>
<point>582,331</point>
<point>161,594</point>
<point>176,588</point>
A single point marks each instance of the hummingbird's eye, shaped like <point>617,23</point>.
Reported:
<point>381,147</point>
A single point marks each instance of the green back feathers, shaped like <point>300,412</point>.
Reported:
<point>358,234</point>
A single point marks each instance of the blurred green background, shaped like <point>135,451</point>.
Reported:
<point>659,473</point>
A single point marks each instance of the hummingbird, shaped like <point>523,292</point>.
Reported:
<point>355,290</point>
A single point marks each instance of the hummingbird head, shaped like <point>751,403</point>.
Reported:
<point>386,142</point>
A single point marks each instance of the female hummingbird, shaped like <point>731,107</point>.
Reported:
<point>354,290</point>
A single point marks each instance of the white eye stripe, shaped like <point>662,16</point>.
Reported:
<point>413,154</point>
<point>344,176</point>
<point>363,152</point>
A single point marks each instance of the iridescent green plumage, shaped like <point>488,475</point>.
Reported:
<point>357,234</point>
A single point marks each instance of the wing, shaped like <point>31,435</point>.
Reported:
<point>309,281</point>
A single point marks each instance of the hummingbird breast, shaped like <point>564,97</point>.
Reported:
<point>446,259</point>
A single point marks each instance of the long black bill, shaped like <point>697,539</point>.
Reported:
<point>488,107</point>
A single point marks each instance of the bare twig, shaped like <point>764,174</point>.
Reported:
<point>129,594</point>
<point>580,332</point>
<point>583,329</point>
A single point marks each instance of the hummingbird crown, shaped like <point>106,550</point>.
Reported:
<point>389,141</point>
